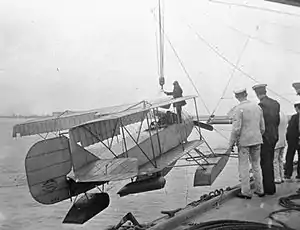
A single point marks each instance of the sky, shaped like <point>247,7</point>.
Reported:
<point>79,55</point>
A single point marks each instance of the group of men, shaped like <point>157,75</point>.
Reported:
<point>259,131</point>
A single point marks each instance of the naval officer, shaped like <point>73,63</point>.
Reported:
<point>271,109</point>
<point>247,129</point>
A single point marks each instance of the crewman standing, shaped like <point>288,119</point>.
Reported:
<point>176,93</point>
<point>271,109</point>
<point>247,129</point>
<point>292,137</point>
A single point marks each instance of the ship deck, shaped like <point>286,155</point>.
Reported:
<point>257,209</point>
<point>230,207</point>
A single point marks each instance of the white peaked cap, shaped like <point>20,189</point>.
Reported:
<point>297,102</point>
<point>240,90</point>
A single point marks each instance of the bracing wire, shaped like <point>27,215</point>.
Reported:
<point>256,8</point>
<point>232,75</point>
<point>233,65</point>
<point>248,35</point>
<point>187,74</point>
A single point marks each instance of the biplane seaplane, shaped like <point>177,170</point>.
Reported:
<point>61,167</point>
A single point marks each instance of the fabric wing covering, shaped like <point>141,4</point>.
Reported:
<point>106,127</point>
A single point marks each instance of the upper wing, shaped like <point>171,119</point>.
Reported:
<point>167,101</point>
<point>108,126</point>
<point>64,121</point>
<point>167,158</point>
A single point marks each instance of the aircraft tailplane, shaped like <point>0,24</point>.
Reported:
<point>47,164</point>
<point>80,156</point>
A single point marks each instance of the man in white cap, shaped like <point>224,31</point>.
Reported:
<point>271,109</point>
<point>247,129</point>
<point>292,137</point>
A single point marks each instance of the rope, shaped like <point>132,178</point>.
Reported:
<point>248,35</point>
<point>256,8</point>
<point>233,65</point>
<point>232,75</point>
<point>183,67</point>
<point>288,205</point>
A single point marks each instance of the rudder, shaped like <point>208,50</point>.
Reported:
<point>47,164</point>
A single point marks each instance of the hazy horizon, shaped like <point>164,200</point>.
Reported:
<point>75,55</point>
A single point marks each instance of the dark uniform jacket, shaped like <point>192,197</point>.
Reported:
<point>177,92</point>
<point>292,132</point>
<point>271,109</point>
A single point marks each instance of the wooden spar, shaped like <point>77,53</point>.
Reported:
<point>150,136</point>
<point>122,128</point>
<point>140,129</point>
<point>157,134</point>
<point>197,118</point>
<point>115,129</point>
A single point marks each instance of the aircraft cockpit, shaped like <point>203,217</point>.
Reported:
<point>164,120</point>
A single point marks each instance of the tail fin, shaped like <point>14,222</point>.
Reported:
<point>80,156</point>
<point>47,163</point>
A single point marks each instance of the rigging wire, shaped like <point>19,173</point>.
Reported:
<point>232,75</point>
<point>182,65</point>
<point>255,8</point>
<point>233,65</point>
<point>248,35</point>
<point>187,74</point>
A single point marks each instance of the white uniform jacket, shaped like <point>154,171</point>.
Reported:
<point>248,125</point>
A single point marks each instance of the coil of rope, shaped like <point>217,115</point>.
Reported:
<point>289,205</point>
<point>208,196</point>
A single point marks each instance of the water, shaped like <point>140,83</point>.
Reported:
<point>18,210</point>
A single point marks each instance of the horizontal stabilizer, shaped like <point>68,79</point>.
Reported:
<point>206,174</point>
<point>204,125</point>
<point>168,158</point>
<point>108,170</point>
<point>47,163</point>
<point>88,206</point>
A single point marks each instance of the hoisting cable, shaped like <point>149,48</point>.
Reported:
<point>233,65</point>
<point>231,77</point>
<point>183,67</point>
<point>161,45</point>
<point>157,48</point>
